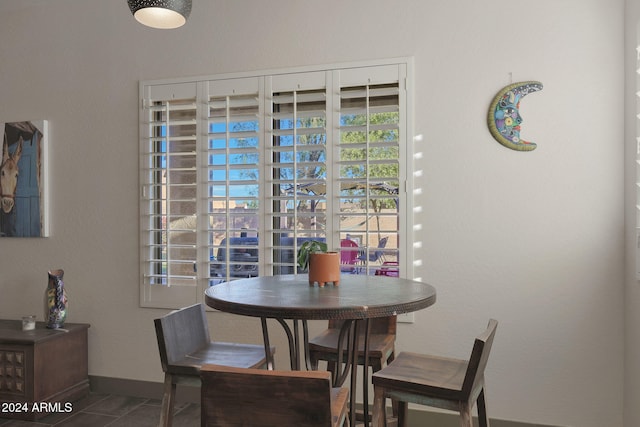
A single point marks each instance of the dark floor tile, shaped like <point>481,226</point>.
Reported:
<point>99,410</point>
<point>156,402</point>
<point>142,416</point>
<point>188,416</point>
<point>85,402</point>
<point>49,420</point>
<point>84,419</point>
<point>115,405</point>
<point>20,423</point>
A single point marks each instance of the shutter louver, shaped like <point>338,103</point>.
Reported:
<point>233,179</point>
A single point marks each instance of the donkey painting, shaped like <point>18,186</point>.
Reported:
<point>9,176</point>
<point>21,181</point>
<point>9,173</point>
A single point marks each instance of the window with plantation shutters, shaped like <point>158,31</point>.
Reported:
<point>238,170</point>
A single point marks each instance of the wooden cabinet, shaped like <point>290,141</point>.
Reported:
<point>43,370</point>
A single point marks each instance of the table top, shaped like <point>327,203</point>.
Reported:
<point>291,297</point>
<point>11,332</point>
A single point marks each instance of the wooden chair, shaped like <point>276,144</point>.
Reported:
<point>381,344</point>
<point>185,345</point>
<point>382,339</point>
<point>254,397</point>
<point>439,382</point>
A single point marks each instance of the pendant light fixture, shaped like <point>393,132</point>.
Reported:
<point>164,14</point>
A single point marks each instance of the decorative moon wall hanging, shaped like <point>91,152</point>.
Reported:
<point>504,116</point>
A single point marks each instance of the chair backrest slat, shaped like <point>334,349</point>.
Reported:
<point>239,397</point>
<point>479,357</point>
<point>181,332</point>
<point>379,325</point>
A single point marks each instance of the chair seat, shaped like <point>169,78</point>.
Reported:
<point>435,381</point>
<point>381,346</point>
<point>424,375</point>
<point>220,353</point>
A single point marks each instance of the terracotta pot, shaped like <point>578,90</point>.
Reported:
<point>324,268</point>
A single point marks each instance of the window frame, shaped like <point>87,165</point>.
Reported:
<point>165,296</point>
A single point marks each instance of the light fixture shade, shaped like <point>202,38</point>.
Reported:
<point>165,14</point>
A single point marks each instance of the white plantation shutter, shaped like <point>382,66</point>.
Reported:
<point>169,193</point>
<point>369,169</point>
<point>234,144</point>
<point>296,162</point>
<point>238,170</point>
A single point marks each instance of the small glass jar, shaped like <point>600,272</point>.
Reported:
<point>29,322</point>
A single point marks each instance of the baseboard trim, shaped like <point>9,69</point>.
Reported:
<point>153,390</point>
<point>441,419</point>
<point>144,389</point>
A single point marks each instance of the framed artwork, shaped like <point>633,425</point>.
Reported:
<point>23,180</point>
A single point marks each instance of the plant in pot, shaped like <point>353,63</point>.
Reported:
<point>323,266</point>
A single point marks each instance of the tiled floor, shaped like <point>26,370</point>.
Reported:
<point>101,410</point>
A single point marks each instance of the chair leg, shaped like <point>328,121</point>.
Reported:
<point>465,415</point>
<point>394,403</point>
<point>483,419</point>
<point>379,413</point>
<point>346,422</point>
<point>403,413</point>
<point>313,362</point>
<point>332,367</point>
<point>168,400</point>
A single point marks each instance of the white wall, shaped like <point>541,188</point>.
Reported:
<point>632,291</point>
<point>533,239</point>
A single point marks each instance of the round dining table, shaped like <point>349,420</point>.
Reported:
<point>357,299</point>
